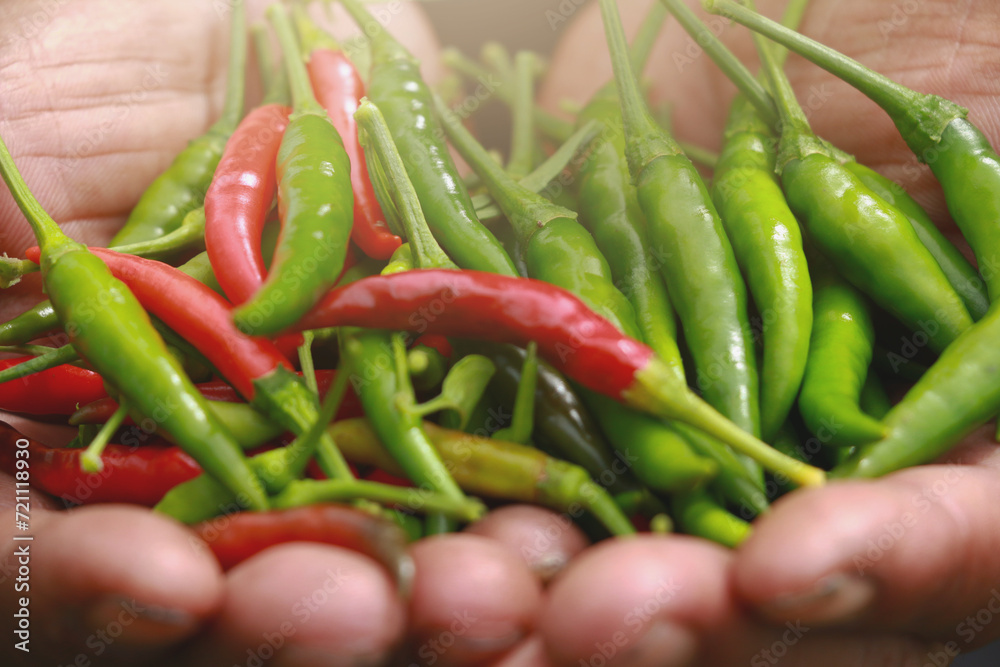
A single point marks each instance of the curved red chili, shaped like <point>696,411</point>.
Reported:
<point>237,537</point>
<point>139,475</point>
<point>55,391</point>
<point>339,90</point>
<point>239,199</point>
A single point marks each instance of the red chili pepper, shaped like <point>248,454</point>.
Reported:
<point>238,201</point>
<point>339,90</point>
<point>56,391</point>
<point>434,341</point>
<point>237,537</point>
<point>198,315</point>
<point>577,341</point>
<point>139,475</point>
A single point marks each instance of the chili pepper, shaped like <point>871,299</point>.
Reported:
<point>874,400</point>
<point>56,391</point>
<point>189,237</point>
<point>339,90</point>
<point>396,87</point>
<point>56,357</point>
<point>702,276</point>
<point>659,457</point>
<point>699,514</point>
<point>112,332</point>
<point>100,410</point>
<point>578,342</point>
<point>254,366</point>
<point>30,324</point>
<point>935,129</point>
<point>736,481</point>
<point>957,394</point>
<point>130,475</point>
<point>610,210</point>
<point>515,472</point>
<point>315,204</point>
<point>840,352</point>
<point>960,273</point>
<point>556,248</point>
<point>236,538</point>
<point>182,186</point>
<point>891,265</point>
<point>562,423</point>
<point>239,199</point>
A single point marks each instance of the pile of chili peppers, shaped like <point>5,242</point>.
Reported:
<point>301,328</point>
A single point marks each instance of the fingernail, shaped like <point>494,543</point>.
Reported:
<point>130,621</point>
<point>834,599</point>
<point>664,644</point>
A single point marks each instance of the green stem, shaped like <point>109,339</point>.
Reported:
<point>90,460</point>
<point>50,359</point>
<point>304,446</point>
<point>376,138</point>
<point>12,269</point>
<point>232,110</point>
<point>791,19</point>
<point>700,154</point>
<point>730,65</point>
<point>190,235</point>
<point>495,55</point>
<point>642,43</point>
<point>310,492</point>
<point>311,36</point>
<point>306,362</point>
<point>265,56</point>
<point>522,421</point>
<point>522,144</point>
<point>644,139</point>
<point>303,99</point>
<point>44,227</point>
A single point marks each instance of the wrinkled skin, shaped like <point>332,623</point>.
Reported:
<point>885,572</point>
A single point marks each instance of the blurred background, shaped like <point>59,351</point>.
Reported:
<point>538,25</point>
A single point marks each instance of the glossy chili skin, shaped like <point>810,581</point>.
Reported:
<point>956,394</point>
<point>339,90</point>
<point>316,207</point>
<point>492,468</point>
<point>55,391</point>
<point>562,423</point>
<point>235,538</point>
<point>32,323</point>
<point>239,199</point>
<point>840,353</point>
<point>610,209</point>
<point>395,85</point>
<point>767,243</point>
<point>964,277</point>
<point>493,307</point>
<point>891,266</point>
<point>137,475</point>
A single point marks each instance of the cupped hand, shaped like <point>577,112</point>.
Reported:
<point>897,571</point>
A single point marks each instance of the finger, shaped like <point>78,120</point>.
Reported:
<point>472,600</point>
<point>103,579</point>
<point>305,604</point>
<point>914,551</point>
<point>544,540</point>
<point>529,653</point>
<point>666,602</point>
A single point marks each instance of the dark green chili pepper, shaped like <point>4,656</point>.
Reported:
<point>840,352</point>
<point>871,243</point>
<point>702,276</point>
<point>29,325</point>
<point>315,203</point>
<point>111,331</point>
<point>768,246</point>
<point>396,87</point>
<point>960,273</point>
<point>182,187</point>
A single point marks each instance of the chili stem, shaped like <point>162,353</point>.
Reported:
<point>522,144</point>
<point>303,99</point>
<point>376,138</point>
<point>310,492</point>
<point>523,418</point>
<point>730,65</point>
<point>12,269</point>
<point>642,44</point>
<point>44,227</point>
<point>306,362</point>
<point>304,446</point>
<point>54,356</point>
<point>232,110</point>
<point>190,234</point>
<point>90,459</point>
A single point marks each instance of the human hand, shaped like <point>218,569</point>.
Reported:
<point>900,570</point>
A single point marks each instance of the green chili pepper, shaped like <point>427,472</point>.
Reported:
<point>840,352</point>
<point>960,273</point>
<point>874,399</point>
<point>396,87</point>
<point>182,187</point>
<point>110,330</point>
<point>702,276</point>
<point>315,202</point>
<point>768,246</point>
<point>870,243</point>
<point>699,514</point>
